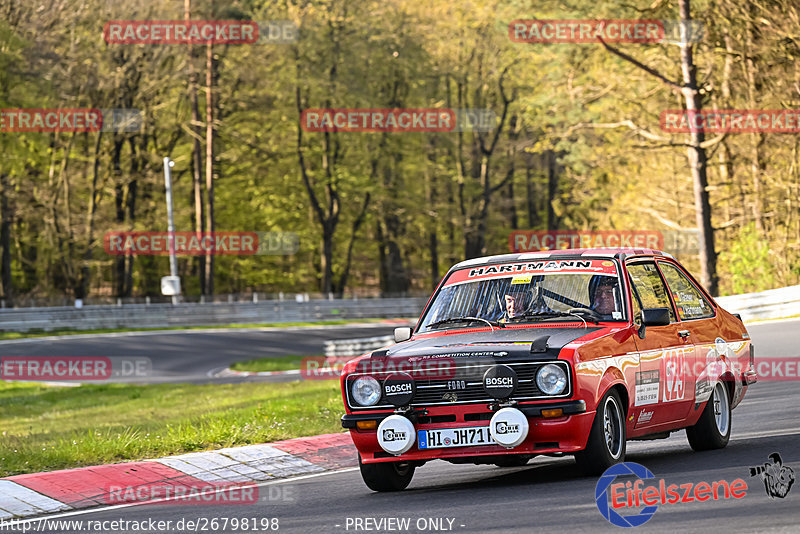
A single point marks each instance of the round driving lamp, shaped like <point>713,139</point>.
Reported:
<point>551,379</point>
<point>365,391</point>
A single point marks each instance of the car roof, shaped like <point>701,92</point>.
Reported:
<point>603,252</point>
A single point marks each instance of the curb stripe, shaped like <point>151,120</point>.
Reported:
<point>16,499</point>
<point>39,493</point>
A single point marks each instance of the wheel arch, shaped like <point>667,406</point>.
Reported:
<point>613,379</point>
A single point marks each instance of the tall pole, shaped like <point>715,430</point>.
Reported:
<point>173,262</point>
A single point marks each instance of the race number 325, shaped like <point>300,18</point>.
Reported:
<point>674,369</point>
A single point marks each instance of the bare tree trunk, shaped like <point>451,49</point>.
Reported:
<point>532,203</point>
<point>197,161</point>
<point>119,210</point>
<point>137,163</point>
<point>552,189</point>
<point>698,159</point>
<point>431,198</point>
<point>5,239</point>
<point>90,215</point>
<point>697,156</point>
<point>210,159</point>
<point>756,163</point>
<point>475,236</point>
<point>359,220</point>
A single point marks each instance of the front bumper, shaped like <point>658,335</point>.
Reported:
<point>567,433</point>
<point>535,410</point>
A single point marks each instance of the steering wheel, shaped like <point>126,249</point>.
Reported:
<point>596,317</point>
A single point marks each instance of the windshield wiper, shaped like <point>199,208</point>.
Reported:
<point>464,320</point>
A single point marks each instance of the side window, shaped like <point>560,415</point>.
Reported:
<point>690,302</point>
<point>650,288</point>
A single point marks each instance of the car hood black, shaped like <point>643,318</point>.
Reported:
<point>509,344</point>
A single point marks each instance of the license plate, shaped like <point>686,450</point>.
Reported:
<point>454,437</point>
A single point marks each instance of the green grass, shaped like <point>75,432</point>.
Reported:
<point>38,332</point>
<point>44,428</point>
<point>277,363</point>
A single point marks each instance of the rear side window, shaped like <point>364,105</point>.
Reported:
<point>649,288</point>
<point>690,302</point>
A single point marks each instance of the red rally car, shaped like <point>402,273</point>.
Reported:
<point>557,352</point>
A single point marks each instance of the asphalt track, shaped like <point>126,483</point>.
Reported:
<point>548,495</point>
<point>195,356</point>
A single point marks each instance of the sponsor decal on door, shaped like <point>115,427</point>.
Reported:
<point>647,386</point>
<point>674,366</point>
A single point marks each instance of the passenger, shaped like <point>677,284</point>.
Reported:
<point>603,298</point>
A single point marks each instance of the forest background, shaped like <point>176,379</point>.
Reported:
<point>577,144</point>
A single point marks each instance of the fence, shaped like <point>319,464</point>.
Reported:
<point>165,315</point>
<point>770,304</point>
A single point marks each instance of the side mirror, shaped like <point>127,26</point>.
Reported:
<point>653,317</point>
<point>403,333</point>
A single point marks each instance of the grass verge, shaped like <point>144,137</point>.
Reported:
<point>43,428</point>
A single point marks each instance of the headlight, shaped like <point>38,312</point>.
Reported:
<point>366,391</point>
<point>551,379</point>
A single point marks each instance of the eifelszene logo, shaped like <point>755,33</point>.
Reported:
<point>613,497</point>
<point>778,478</point>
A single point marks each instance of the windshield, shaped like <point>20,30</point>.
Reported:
<point>524,292</point>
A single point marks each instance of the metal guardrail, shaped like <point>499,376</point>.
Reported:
<point>770,304</point>
<point>356,347</point>
<point>165,315</point>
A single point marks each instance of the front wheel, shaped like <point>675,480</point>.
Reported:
<point>386,476</point>
<point>606,444</point>
<point>713,429</point>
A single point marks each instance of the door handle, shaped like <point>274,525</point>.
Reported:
<point>684,333</point>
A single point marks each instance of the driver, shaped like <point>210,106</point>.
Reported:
<point>603,299</point>
<point>523,298</point>
<point>516,301</point>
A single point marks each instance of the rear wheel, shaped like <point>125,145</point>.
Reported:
<point>606,444</point>
<point>713,429</point>
<point>386,476</point>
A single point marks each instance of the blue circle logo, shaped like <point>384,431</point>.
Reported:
<point>603,503</point>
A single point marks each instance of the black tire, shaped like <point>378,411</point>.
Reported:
<point>606,444</point>
<point>713,429</point>
<point>513,460</point>
<point>387,476</point>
